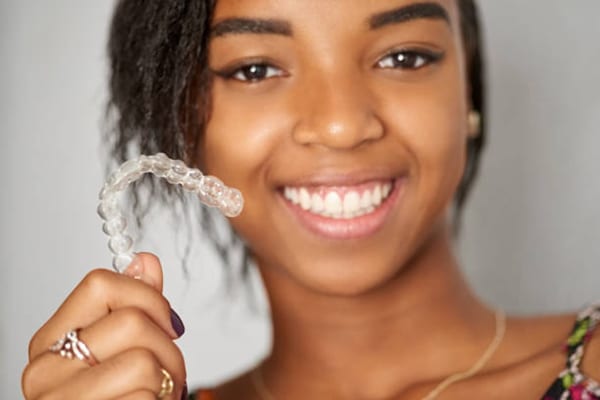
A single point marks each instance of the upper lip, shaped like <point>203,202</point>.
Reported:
<point>341,178</point>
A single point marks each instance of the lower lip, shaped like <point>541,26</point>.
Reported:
<point>344,229</point>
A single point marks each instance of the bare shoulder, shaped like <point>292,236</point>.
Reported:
<point>540,331</point>
<point>534,354</point>
<point>530,358</point>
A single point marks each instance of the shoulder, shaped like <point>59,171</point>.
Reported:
<point>580,371</point>
<point>537,351</point>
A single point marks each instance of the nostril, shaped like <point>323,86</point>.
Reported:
<point>338,134</point>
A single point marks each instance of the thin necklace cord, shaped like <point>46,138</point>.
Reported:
<point>264,393</point>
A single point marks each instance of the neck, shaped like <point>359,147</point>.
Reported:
<point>425,318</point>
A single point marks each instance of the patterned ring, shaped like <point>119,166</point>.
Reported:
<point>167,385</point>
<point>70,346</point>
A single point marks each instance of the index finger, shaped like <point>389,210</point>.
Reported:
<point>99,293</point>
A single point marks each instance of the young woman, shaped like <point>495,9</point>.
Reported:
<point>353,129</point>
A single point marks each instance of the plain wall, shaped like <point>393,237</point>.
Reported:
<point>529,241</point>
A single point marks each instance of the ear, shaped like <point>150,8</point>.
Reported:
<point>474,124</point>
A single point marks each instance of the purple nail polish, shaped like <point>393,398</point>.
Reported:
<point>184,393</point>
<point>177,323</point>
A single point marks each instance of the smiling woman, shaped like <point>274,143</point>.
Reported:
<point>353,130</point>
<point>353,126</point>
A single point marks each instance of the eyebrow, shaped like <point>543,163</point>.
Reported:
<point>251,25</point>
<point>262,26</point>
<point>409,13</point>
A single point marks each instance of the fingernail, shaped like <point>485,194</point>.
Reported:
<point>177,323</point>
<point>135,269</point>
<point>184,394</point>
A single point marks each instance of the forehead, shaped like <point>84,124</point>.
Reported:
<point>345,13</point>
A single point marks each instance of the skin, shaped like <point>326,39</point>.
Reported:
<point>345,310</point>
<point>386,315</point>
<point>126,322</point>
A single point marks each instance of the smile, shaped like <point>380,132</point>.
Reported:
<point>345,202</point>
<point>344,211</point>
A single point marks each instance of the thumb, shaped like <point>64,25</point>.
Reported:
<point>147,268</point>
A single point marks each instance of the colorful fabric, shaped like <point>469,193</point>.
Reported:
<point>571,383</point>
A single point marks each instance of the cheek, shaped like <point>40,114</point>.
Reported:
<point>430,123</point>
<point>441,166</point>
<point>240,135</point>
<point>238,147</point>
<point>441,145</point>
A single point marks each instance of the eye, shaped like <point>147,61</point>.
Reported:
<point>255,72</point>
<point>408,59</point>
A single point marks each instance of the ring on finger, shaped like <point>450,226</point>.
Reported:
<point>167,385</point>
<point>70,346</point>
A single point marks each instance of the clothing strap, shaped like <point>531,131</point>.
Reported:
<point>572,383</point>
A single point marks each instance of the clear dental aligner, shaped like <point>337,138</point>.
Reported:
<point>210,190</point>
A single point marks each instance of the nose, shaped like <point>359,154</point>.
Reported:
<point>336,111</point>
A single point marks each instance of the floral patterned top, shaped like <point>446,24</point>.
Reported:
<point>571,383</point>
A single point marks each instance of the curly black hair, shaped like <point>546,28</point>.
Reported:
<point>159,87</point>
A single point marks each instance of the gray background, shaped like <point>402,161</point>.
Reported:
<point>530,241</point>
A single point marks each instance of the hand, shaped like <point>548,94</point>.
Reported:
<point>128,326</point>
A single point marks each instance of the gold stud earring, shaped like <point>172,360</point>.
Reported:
<point>474,121</point>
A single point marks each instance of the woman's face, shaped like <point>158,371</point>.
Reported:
<point>343,123</point>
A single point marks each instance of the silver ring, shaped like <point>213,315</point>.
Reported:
<point>71,347</point>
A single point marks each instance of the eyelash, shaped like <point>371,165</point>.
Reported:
<point>242,72</point>
<point>416,59</point>
<point>257,71</point>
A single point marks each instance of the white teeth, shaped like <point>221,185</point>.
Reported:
<point>387,188</point>
<point>365,200</point>
<point>291,194</point>
<point>351,203</point>
<point>377,195</point>
<point>304,199</point>
<point>318,205</point>
<point>333,205</point>
<point>287,192</point>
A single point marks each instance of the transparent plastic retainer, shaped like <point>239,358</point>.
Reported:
<point>210,190</point>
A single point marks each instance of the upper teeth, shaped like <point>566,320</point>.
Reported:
<point>333,205</point>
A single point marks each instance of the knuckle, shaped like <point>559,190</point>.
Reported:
<point>29,380</point>
<point>39,378</point>
<point>131,320</point>
<point>147,364</point>
<point>134,365</point>
<point>97,282</point>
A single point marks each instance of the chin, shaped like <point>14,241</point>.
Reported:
<point>349,283</point>
<point>353,271</point>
